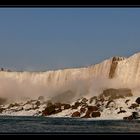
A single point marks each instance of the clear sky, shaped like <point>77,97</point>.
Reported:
<point>53,38</point>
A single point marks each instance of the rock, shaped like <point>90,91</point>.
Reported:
<point>85,105</point>
<point>76,105</point>
<point>89,111</point>
<point>67,106</point>
<point>138,100</point>
<point>134,115</point>
<point>28,107</point>
<point>87,115</point>
<point>75,114</point>
<point>98,105</point>
<point>96,114</point>
<point>38,103</point>
<point>133,106</point>
<point>92,108</point>
<point>128,118</point>
<point>36,107</point>
<point>1,110</point>
<point>82,110</point>
<point>49,103</point>
<point>127,101</point>
<point>93,98</point>
<point>18,109</point>
<point>84,100</point>
<point>58,105</point>
<point>13,105</point>
<point>102,99</point>
<point>49,110</point>
<point>112,94</point>
<point>41,98</point>
<point>58,110</point>
<point>121,111</point>
<point>110,104</point>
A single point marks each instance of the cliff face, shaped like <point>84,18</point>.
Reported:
<point>113,66</point>
<point>116,72</point>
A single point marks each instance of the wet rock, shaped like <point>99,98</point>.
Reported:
<point>1,110</point>
<point>110,104</point>
<point>49,103</point>
<point>18,109</point>
<point>67,106</point>
<point>92,108</point>
<point>89,111</point>
<point>58,105</point>
<point>92,99</point>
<point>84,105</point>
<point>129,118</point>
<point>101,99</point>
<point>76,114</point>
<point>76,105</point>
<point>127,101</point>
<point>112,94</point>
<point>133,106</point>
<point>121,111</point>
<point>138,100</point>
<point>38,103</point>
<point>58,110</point>
<point>82,110</point>
<point>49,110</point>
<point>95,114</point>
<point>84,100</point>
<point>36,107</point>
<point>28,107</point>
<point>13,105</point>
<point>134,115</point>
<point>41,98</point>
<point>87,115</point>
<point>98,105</point>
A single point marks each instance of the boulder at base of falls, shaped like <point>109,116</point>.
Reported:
<point>1,110</point>
<point>75,114</point>
<point>94,98</point>
<point>58,105</point>
<point>112,94</point>
<point>58,110</point>
<point>76,105</point>
<point>67,106</point>
<point>49,110</point>
<point>92,108</point>
<point>82,110</point>
<point>134,105</point>
<point>95,114</point>
<point>135,115</point>
<point>88,114</point>
<point>138,100</point>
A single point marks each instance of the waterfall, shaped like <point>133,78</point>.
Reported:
<point>71,84</point>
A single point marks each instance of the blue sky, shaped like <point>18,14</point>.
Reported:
<point>54,38</point>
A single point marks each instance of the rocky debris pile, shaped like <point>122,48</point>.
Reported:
<point>111,103</point>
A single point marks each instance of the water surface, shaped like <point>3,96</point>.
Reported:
<point>24,124</point>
